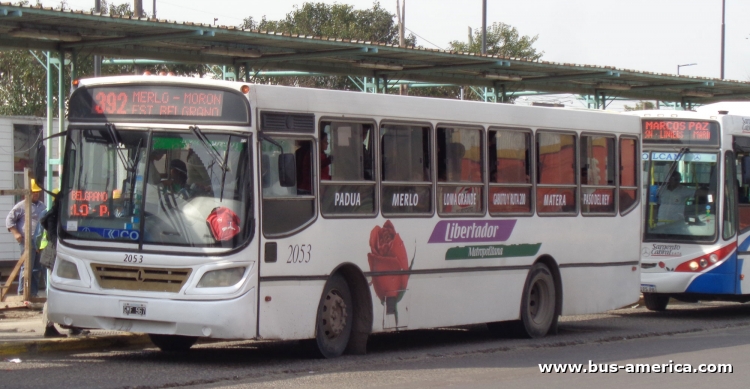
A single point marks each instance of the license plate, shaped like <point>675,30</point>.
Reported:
<point>645,288</point>
<point>133,309</point>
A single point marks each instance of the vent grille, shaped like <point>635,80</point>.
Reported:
<point>287,122</point>
<point>140,278</point>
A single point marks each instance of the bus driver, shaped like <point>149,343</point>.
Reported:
<point>672,200</point>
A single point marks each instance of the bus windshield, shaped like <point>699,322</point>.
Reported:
<point>682,201</point>
<point>156,187</point>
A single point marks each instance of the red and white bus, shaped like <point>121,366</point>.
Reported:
<point>696,169</point>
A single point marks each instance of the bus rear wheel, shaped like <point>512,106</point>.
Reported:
<point>538,306</point>
<point>656,302</point>
<point>334,320</point>
<point>172,343</point>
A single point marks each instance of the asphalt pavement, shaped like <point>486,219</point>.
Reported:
<point>22,333</point>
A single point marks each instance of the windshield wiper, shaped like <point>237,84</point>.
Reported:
<point>115,135</point>
<point>210,149</point>
<point>672,168</point>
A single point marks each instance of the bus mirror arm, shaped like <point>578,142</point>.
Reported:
<point>287,170</point>
<point>40,162</point>
<point>287,165</point>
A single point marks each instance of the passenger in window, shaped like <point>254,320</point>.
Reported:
<point>325,160</point>
<point>198,179</point>
<point>366,155</point>
<point>492,150</point>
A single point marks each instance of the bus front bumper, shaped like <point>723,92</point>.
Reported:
<point>666,282</point>
<point>224,319</point>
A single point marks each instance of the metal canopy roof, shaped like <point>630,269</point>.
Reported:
<point>31,27</point>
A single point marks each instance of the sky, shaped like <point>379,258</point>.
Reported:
<point>642,35</point>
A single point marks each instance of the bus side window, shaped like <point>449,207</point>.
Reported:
<point>287,208</point>
<point>556,173</point>
<point>459,171</point>
<point>597,175</point>
<point>347,187</point>
<point>730,198</point>
<point>509,153</point>
<point>406,169</point>
<point>743,190</point>
<point>628,190</point>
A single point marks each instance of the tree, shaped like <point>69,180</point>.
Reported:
<point>502,40</point>
<point>643,105</point>
<point>332,21</point>
<point>23,79</point>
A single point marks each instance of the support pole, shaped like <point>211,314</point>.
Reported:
<point>723,4</point>
<point>60,106</point>
<point>484,26</point>
<point>27,271</point>
<point>50,112</point>
<point>97,58</point>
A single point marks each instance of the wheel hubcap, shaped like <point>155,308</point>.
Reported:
<point>334,314</point>
<point>537,301</point>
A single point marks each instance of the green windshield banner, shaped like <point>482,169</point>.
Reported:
<point>174,143</point>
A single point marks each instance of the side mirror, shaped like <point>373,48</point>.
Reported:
<point>265,171</point>
<point>746,171</point>
<point>40,164</point>
<point>287,170</point>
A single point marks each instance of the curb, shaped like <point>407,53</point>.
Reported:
<point>72,344</point>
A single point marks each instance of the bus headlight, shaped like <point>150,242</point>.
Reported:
<point>67,269</point>
<point>693,265</point>
<point>714,258</point>
<point>221,278</point>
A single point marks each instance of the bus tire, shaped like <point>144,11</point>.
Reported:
<point>335,316</point>
<point>656,302</point>
<point>538,304</point>
<point>173,343</point>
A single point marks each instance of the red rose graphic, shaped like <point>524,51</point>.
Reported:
<point>388,255</point>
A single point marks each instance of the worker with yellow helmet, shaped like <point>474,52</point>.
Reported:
<point>15,222</point>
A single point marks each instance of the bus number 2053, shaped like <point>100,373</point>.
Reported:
<point>299,253</point>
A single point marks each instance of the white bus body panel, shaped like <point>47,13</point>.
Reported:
<point>230,314</point>
<point>434,298</point>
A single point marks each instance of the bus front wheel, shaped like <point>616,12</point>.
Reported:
<point>538,301</point>
<point>656,302</point>
<point>172,343</point>
<point>334,320</point>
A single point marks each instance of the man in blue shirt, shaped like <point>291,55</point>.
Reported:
<point>15,222</point>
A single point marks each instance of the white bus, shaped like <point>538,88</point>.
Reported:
<point>697,207</point>
<point>200,208</point>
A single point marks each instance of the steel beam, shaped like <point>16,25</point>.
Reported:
<point>139,39</point>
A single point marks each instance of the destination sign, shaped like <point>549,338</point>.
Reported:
<point>681,132</point>
<point>162,102</point>
<point>86,203</point>
<point>159,102</point>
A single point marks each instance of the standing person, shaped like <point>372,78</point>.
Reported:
<point>40,243</point>
<point>325,159</point>
<point>15,222</point>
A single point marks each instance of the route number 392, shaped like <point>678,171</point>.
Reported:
<point>299,253</point>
